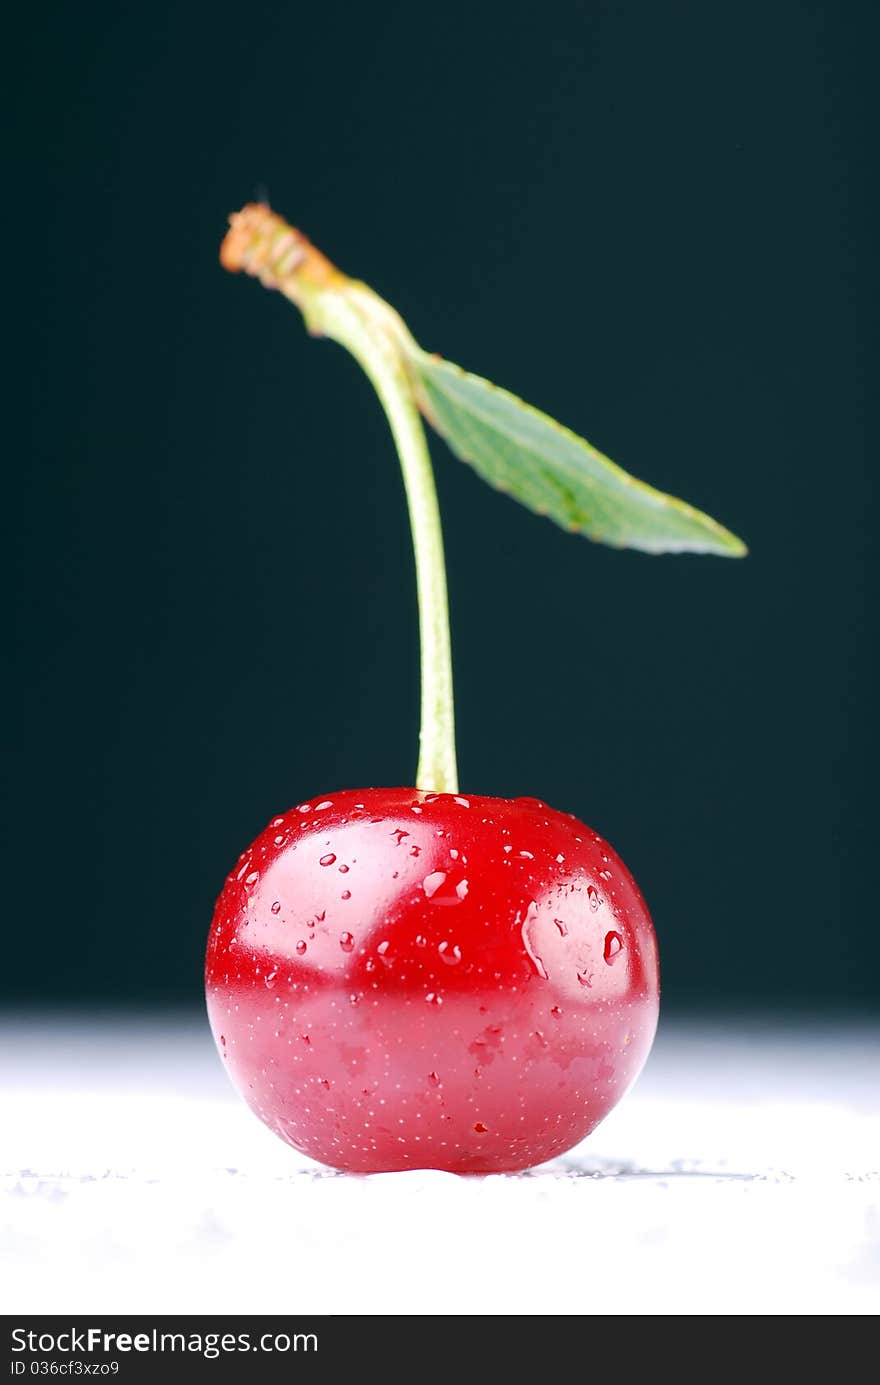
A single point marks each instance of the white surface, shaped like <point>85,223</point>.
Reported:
<point>738,1177</point>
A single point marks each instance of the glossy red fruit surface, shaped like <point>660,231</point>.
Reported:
<point>397,980</point>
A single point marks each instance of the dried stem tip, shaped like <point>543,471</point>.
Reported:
<point>261,243</point>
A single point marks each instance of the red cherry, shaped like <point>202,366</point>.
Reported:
<point>399,980</point>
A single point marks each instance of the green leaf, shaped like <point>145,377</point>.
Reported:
<point>554,472</point>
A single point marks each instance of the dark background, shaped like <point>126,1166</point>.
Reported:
<point>651,220</point>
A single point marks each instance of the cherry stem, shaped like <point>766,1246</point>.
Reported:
<point>335,306</point>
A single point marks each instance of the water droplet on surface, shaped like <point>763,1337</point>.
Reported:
<point>593,897</point>
<point>463,802</point>
<point>529,937</point>
<point>555,1012</point>
<point>346,941</point>
<point>327,860</point>
<point>346,894</point>
<point>527,856</point>
<point>560,860</point>
<point>421,940</point>
<point>585,978</point>
<point>461,889</point>
<point>343,870</point>
<point>480,1128</point>
<point>613,945</point>
<point>276,822</point>
<point>251,880</point>
<point>560,924</point>
<point>279,839</point>
<point>223,1040</point>
<point>319,807</point>
<point>604,874</point>
<point>450,955</point>
<point>276,907</point>
<point>415,851</point>
<point>304,807</point>
<point>399,834</point>
<point>507,849</point>
<point>433,998</point>
<point>301,948</point>
<point>382,951</point>
<point>270,979</point>
<point>432,882</point>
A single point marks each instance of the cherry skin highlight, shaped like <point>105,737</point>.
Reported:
<point>398,979</point>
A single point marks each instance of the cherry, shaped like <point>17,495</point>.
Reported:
<point>399,979</point>
<point>405,978</point>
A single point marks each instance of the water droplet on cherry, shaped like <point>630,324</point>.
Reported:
<point>450,955</point>
<point>529,930</point>
<point>432,882</point>
<point>613,945</point>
